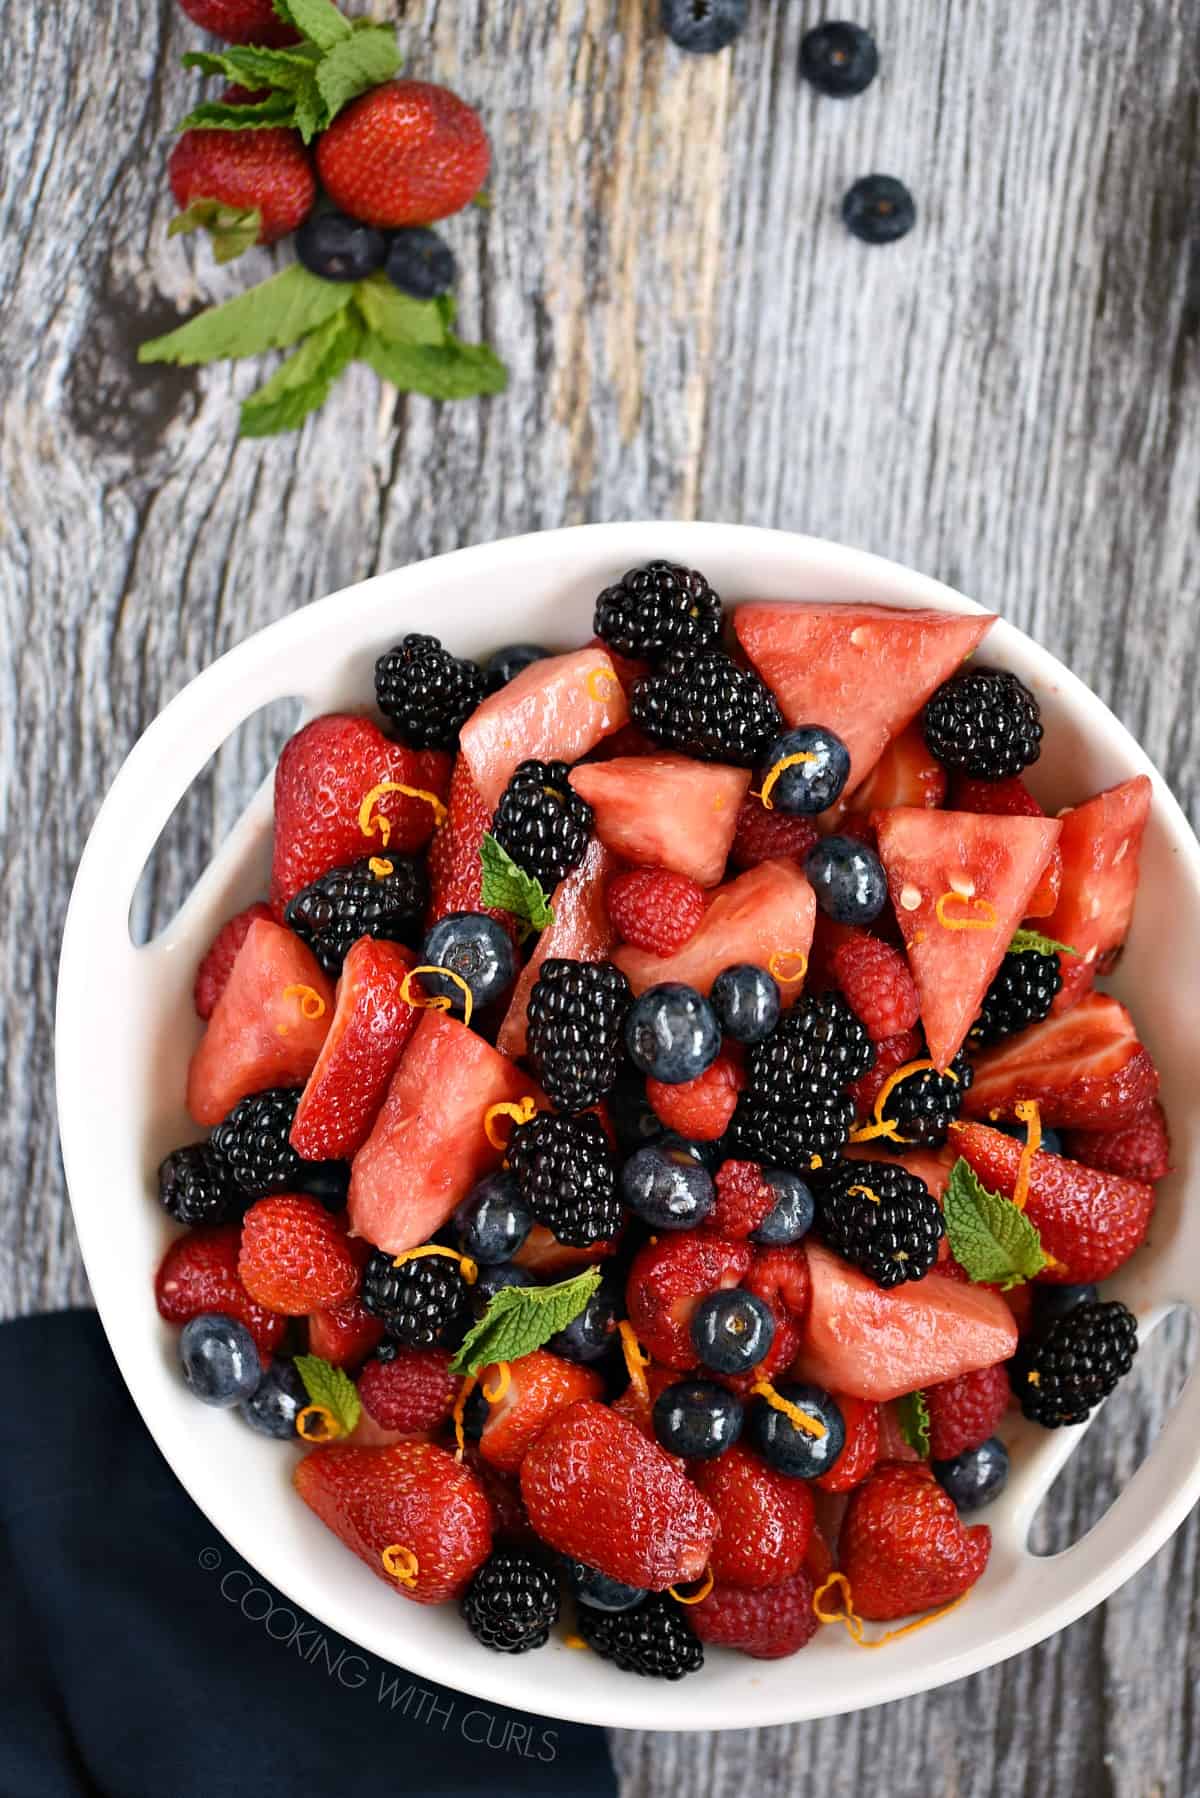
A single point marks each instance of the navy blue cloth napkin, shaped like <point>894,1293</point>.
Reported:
<point>139,1656</point>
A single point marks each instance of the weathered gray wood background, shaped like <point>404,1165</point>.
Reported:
<point>1007,399</point>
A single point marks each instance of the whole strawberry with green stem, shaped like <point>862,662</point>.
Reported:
<point>241,21</point>
<point>242,187</point>
<point>406,153</point>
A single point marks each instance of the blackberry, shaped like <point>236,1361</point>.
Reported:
<point>658,610</point>
<point>196,1187</point>
<point>1022,993</point>
<point>252,1144</point>
<point>817,1048</point>
<point>426,692</point>
<point>379,895</point>
<point>792,1136</point>
<point>512,1603</point>
<point>567,1176</point>
<point>542,822</point>
<point>923,1106</point>
<point>1062,1375</point>
<point>985,722</point>
<point>882,1218</point>
<point>420,1302</point>
<point>576,1023</point>
<point>709,708</point>
<point>656,1639</point>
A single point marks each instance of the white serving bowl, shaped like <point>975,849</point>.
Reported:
<point>120,1113</point>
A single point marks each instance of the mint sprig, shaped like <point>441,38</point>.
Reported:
<point>521,1318</point>
<point>332,1389</point>
<point>1027,941</point>
<point>508,888</point>
<point>989,1238</point>
<point>231,229</point>
<point>912,1414</point>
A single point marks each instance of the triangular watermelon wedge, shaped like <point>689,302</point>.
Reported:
<point>862,671</point>
<point>580,932</point>
<point>665,811</point>
<point>960,885</point>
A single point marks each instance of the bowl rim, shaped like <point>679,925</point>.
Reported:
<point>1119,1544</point>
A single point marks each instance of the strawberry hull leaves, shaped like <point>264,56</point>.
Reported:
<point>231,229</point>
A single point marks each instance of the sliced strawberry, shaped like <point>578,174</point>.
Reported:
<point>214,971</point>
<point>199,1273</point>
<point>1012,799</point>
<point>766,1519</point>
<point>455,868</point>
<point>665,811</point>
<point>580,932</point>
<point>1141,1149</point>
<point>344,1334</point>
<point>1101,846</point>
<point>764,914</point>
<point>538,1386</point>
<point>907,773</point>
<point>1085,1068</point>
<point>371,1026</point>
<point>267,1027</point>
<point>858,1457</point>
<point>666,1282</point>
<point>553,711</point>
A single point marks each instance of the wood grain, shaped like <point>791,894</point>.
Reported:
<point>1008,399</point>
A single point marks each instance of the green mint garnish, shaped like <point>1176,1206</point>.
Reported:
<point>912,1412</point>
<point>272,316</point>
<point>508,888</point>
<point>1025,941</point>
<point>332,1389</point>
<point>989,1237</point>
<point>230,229</point>
<point>521,1318</point>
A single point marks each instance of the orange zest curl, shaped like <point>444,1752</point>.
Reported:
<point>636,1360</point>
<point>466,1267</point>
<point>784,762</point>
<point>400,1564</point>
<point>599,685</point>
<point>378,825</point>
<point>316,1424</point>
<point>520,1113</point>
<point>456,1416</point>
<point>706,1586</point>
<point>816,1161</point>
<point>803,1420</point>
<point>1028,1113</point>
<point>854,1623</point>
<point>495,1392</point>
<point>381,867</point>
<point>867,1192</point>
<point>886,1127</point>
<point>440,1001</point>
<point>311,1003</point>
<point>986,919</point>
<point>778,961</point>
<point>574,1641</point>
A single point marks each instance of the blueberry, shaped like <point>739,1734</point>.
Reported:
<point>746,1001</point>
<point>704,26</point>
<point>475,948</point>
<point>666,1185</point>
<point>420,263</point>
<point>672,1033</point>
<point>634,1118</point>
<point>492,1280</point>
<point>599,1591</point>
<point>220,1362</point>
<point>810,786</point>
<point>732,1330</point>
<point>787,1446</point>
<point>847,878</point>
<point>592,1332</point>
<point>697,1418</point>
<point>840,60</point>
<point>508,662</point>
<point>281,1395</point>
<point>339,248</point>
<point>975,1477</point>
<point>791,1216</point>
<point>493,1220</point>
<point>1051,1143</point>
<point>879,209</point>
<point>1052,1302</point>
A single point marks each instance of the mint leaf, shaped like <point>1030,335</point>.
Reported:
<point>302,383</point>
<point>255,68</point>
<point>396,317</point>
<point>912,1414</point>
<point>363,59</point>
<point>1025,940</point>
<point>310,115</point>
<point>509,888</point>
<point>278,108</point>
<point>988,1236</point>
<point>317,20</point>
<point>332,1389</point>
<point>271,316</point>
<point>231,230</point>
<point>451,371</point>
<point>521,1318</point>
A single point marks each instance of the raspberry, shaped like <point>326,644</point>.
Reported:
<point>744,1197</point>
<point>414,1391</point>
<point>767,1625</point>
<point>699,1109</point>
<point>764,836</point>
<point>1138,1151</point>
<point>214,970</point>
<point>964,1412</point>
<point>891,1053</point>
<point>295,1257</point>
<point>654,909</point>
<point>199,1273</point>
<point>877,984</point>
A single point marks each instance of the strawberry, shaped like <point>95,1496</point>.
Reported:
<point>404,153</point>
<point>1088,1220</point>
<point>509,1521</point>
<point>638,1409</point>
<point>767,1625</point>
<point>902,1546</point>
<point>539,1386</point>
<point>1140,1150</point>
<point>654,909</point>
<point>344,1334</point>
<point>413,1392</point>
<point>412,1495</point>
<point>324,774</point>
<point>371,1026</point>
<point>214,971</point>
<point>861,1451</point>
<point>699,1109</point>
<point>765,1519</point>
<point>666,1282</point>
<point>218,177</point>
<point>964,1412</point>
<point>890,1053</point>
<point>744,1197</point>
<point>241,21</point>
<point>818,1561</point>
<point>1101,847</point>
<point>763,836</point>
<point>665,813</point>
<point>1085,1068</point>
<point>877,985</point>
<point>597,1489</point>
<point>199,1273</point>
<point>1012,799</point>
<point>455,870</point>
<point>294,1256</point>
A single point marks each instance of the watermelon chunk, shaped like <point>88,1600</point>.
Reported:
<point>428,1146</point>
<point>767,911</point>
<point>907,773</point>
<point>1085,1069</point>
<point>982,870</point>
<point>260,1034</point>
<point>1101,844</point>
<point>666,811</point>
<point>862,671</point>
<point>554,711</point>
<point>371,1027</point>
<point>580,932</point>
<point>879,1345</point>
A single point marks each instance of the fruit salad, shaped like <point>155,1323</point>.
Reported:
<point>663,1123</point>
